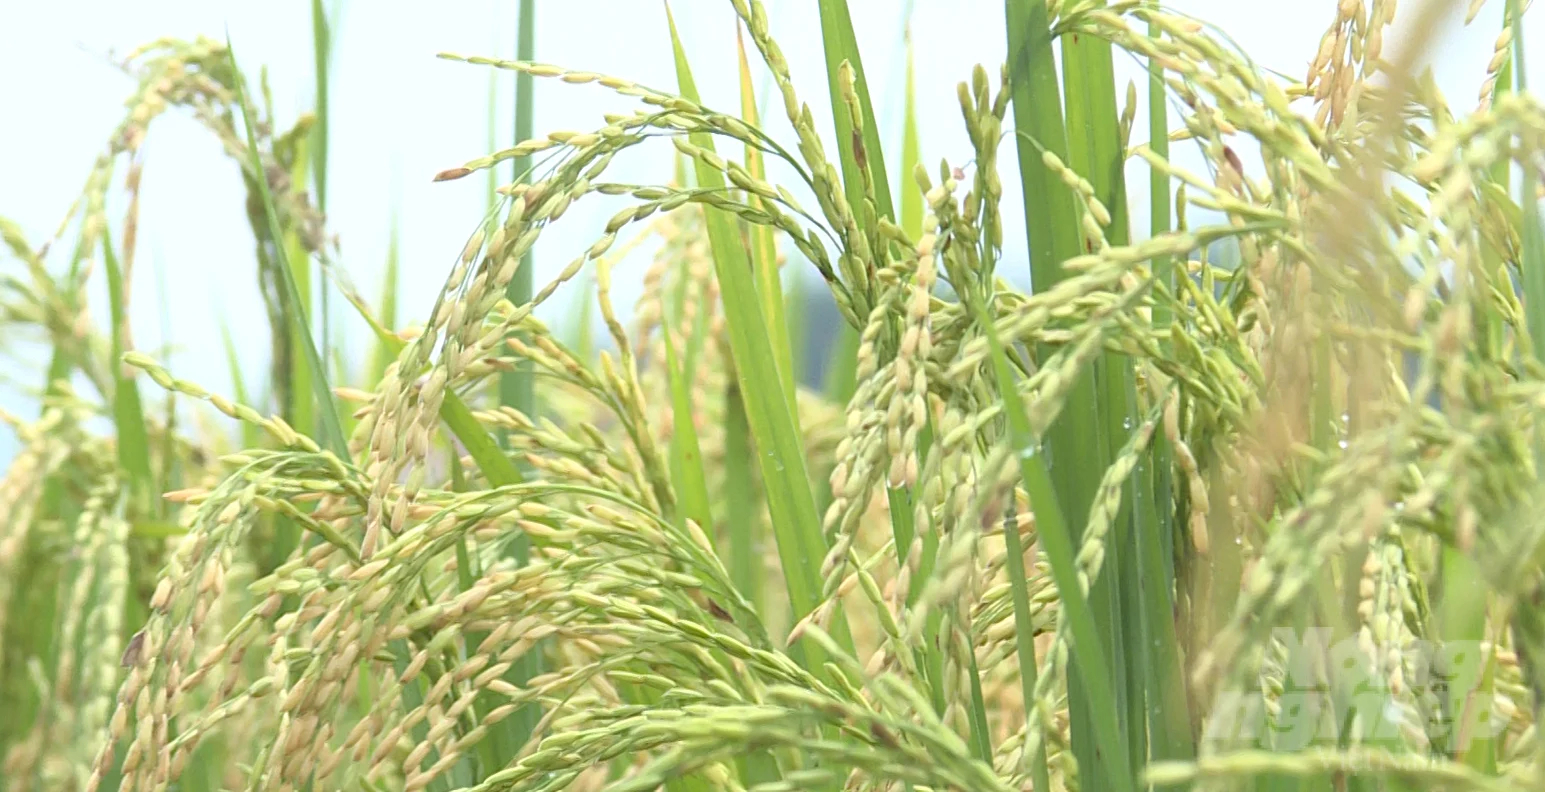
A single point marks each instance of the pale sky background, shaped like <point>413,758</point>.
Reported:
<point>399,115</point>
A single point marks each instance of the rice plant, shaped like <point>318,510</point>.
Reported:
<point>1162,521</point>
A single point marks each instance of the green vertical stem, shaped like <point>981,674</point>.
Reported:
<point>740,500</point>
<point>516,388</point>
<point>1059,542</point>
<point>1051,217</point>
<point>1134,588</point>
<point>1533,259</point>
<point>911,198</point>
<point>384,354</point>
<point>1051,224</point>
<point>686,455</point>
<point>1528,628</point>
<point>62,361</point>
<point>302,409</point>
<point>128,412</point>
<point>1492,324</point>
<point>1024,643</point>
<point>981,733</point>
<point>842,365</point>
<point>322,47</point>
<point>796,312</point>
<point>321,34</point>
<point>1097,409</point>
<point>1169,719</point>
<point>491,186</point>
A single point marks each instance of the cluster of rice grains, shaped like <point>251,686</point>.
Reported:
<point>1292,402</point>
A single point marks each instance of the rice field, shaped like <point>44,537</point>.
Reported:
<point>1243,500</point>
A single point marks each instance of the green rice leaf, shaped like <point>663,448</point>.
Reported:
<point>686,455</point>
<point>780,452</point>
<point>1053,229</point>
<point>1057,540</point>
<point>301,410</point>
<point>763,248</point>
<point>383,354</point>
<point>839,44</point>
<point>332,432</point>
<point>128,411</point>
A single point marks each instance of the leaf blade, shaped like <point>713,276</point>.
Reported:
<point>780,454</point>
<point>332,431</point>
<point>128,411</point>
